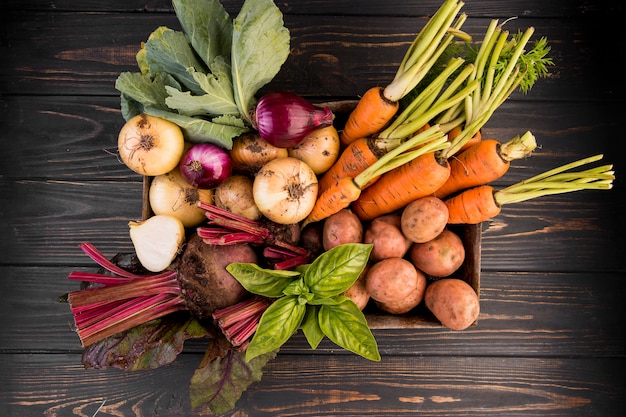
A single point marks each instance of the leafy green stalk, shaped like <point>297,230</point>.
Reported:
<point>426,48</point>
<point>559,181</point>
<point>501,66</point>
<point>205,78</point>
<point>259,48</point>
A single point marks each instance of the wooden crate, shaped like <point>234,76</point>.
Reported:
<point>419,317</point>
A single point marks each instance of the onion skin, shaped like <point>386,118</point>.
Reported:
<point>284,119</point>
<point>205,165</point>
<point>235,195</point>
<point>150,145</point>
<point>250,152</point>
<point>319,149</point>
<point>285,190</point>
<point>171,194</point>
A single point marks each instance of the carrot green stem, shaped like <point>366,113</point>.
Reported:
<point>519,147</point>
<point>418,116</point>
<point>558,181</point>
<point>501,66</point>
<point>426,48</point>
<point>424,142</point>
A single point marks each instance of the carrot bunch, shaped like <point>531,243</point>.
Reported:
<point>501,66</point>
<point>441,94</point>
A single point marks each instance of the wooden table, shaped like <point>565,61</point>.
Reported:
<point>550,338</point>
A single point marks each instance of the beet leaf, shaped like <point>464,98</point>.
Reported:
<point>224,375</point>
<point>146,346</point>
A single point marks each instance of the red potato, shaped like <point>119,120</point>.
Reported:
<point>358,291</point>
<point>424,219</point>
<point>453,302</point>
<point>342,227</point>
<point>440,257</point>
<point>386,235</point>
<point>395,285</point>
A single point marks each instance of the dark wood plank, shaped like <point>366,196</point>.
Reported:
<point>526,8</point>
<point>45,221</point>
<point>522,314</point>
<point>63,137</point>
<point>332,56</point>
<point>326,385</point>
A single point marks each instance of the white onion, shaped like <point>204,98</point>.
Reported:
<point>285,190</point>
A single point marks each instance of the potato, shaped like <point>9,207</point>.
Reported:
<point>453,302</point>
<point>395,285</point>
<point>358,292</point>
<point>440,257</point>
<point>386,235</point>
<point>342,227</point>
<point>424,219</point>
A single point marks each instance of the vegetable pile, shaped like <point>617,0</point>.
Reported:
<point>269,218</point>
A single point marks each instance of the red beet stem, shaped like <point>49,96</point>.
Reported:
<point>123,301</point>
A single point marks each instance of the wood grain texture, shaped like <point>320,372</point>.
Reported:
<point>344,386</point>
<point>549,340</point>
<point>331,56</point>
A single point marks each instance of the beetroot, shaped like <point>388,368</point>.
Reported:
<point>198,282</point>
<point>205,284</point>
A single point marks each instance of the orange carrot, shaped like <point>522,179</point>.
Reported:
<point>482,203</point>
<point>371,115</point>
<point>337,197</point>
<point>378,105</point>
<point>347,189</point>
<point>352,161</point>
<point>417,178</point>
<point>473,206</point>
<point>484,162</point>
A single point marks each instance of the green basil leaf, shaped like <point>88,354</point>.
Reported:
<point>318,301</point>
<point>296,287</point>
<point>336,270</point>
<point>311,328</point>
<point>278,323</point>
<point>207,26</point>
<point>260,46</point>
<point>261,281</point>
<point>347,327</point>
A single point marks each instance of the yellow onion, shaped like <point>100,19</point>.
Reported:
<point>150,145</point>
<point>250,152</point>
<point>171,194</point>
<point>235,195</point>
<point>319,149</point>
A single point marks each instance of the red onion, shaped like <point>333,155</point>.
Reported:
<point>205,165</point>
<point>284,119</point>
